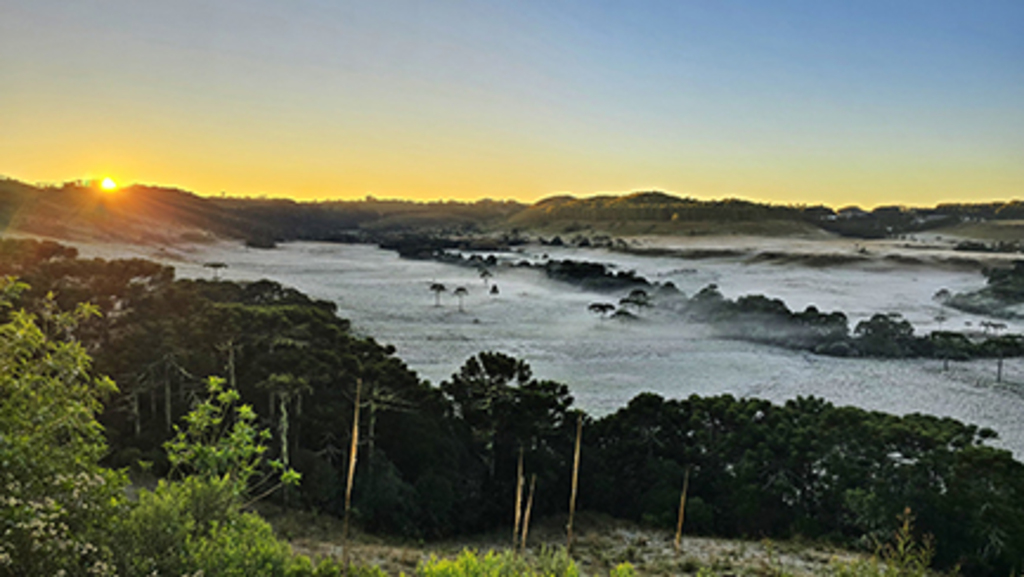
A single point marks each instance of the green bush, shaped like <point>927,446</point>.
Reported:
<point>505,564</point>
<point>197,524</point>
<point>240,547</point>
<point>157,533</point>
<point>55,499</point>
<point>547,563</point>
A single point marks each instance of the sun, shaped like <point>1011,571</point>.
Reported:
<point>108,184</point>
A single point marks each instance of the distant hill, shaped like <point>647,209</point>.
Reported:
<point>151,214</point>
<point>659,213</point>
<point>136,213</point>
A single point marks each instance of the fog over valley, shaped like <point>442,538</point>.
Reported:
<point>606,362</point>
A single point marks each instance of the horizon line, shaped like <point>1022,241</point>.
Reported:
<point>370,197</point>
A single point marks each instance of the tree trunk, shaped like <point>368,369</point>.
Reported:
<point>519,500</point>
<point>352,453</point>
<point>371,429</point>
<point>297,425</point>
<point>167,405</point>
<point>282,430</point>
<point>526,515</point>
<point>231,365</point>
<point>575,481</point>
<point>682,512</point>
<point>135,413</point>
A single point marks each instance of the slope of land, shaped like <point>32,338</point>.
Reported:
<point>602,542</point>
<point>151,214</point>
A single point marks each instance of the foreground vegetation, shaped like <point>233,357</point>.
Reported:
<point>433,461</point>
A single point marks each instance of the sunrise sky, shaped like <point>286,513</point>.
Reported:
<point>857,101</point>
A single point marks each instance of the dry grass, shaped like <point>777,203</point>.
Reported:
<point>600,544</point>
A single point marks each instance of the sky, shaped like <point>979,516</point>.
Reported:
<point>818,101</point>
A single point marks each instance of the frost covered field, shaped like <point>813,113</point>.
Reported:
<point>606,363</point>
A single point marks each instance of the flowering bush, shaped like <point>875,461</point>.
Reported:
<point>56,501</point>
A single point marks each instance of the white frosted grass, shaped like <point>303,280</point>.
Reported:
<point>606,363</point>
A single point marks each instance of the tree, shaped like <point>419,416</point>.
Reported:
<point>216,266</point>
<point>602,309</point>
<point>460,292</point>
<point>221,444</point>
<point>196,525</point>
<point>885,335</point>
<point>637,298</point>
<point>502,408</point>
<point>485,275</point>
<point>482,393</point>
<point>438,288</point>
<point>55,499</point>
<point>950,345</point>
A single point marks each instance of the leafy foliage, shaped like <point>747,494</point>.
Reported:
<point>222,445</point>
<point>197,525</point>
<point>548,563</point>
<point>55,498</point>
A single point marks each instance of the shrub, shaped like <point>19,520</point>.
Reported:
<point>549,562</point>
<point>55,498</point>
<point>903,557</point>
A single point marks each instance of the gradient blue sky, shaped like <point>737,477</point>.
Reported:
<point>864,102</point>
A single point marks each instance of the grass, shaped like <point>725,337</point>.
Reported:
<point>601,544</point>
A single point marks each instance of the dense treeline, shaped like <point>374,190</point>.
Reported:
<point>442,460</point>
<point>808,468</point>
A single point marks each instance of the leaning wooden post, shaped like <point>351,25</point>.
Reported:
<point>351,476</point>
<point>519,500</point>
<point>526,516</point>
<point>682,511</point>
<point>575,482</point>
